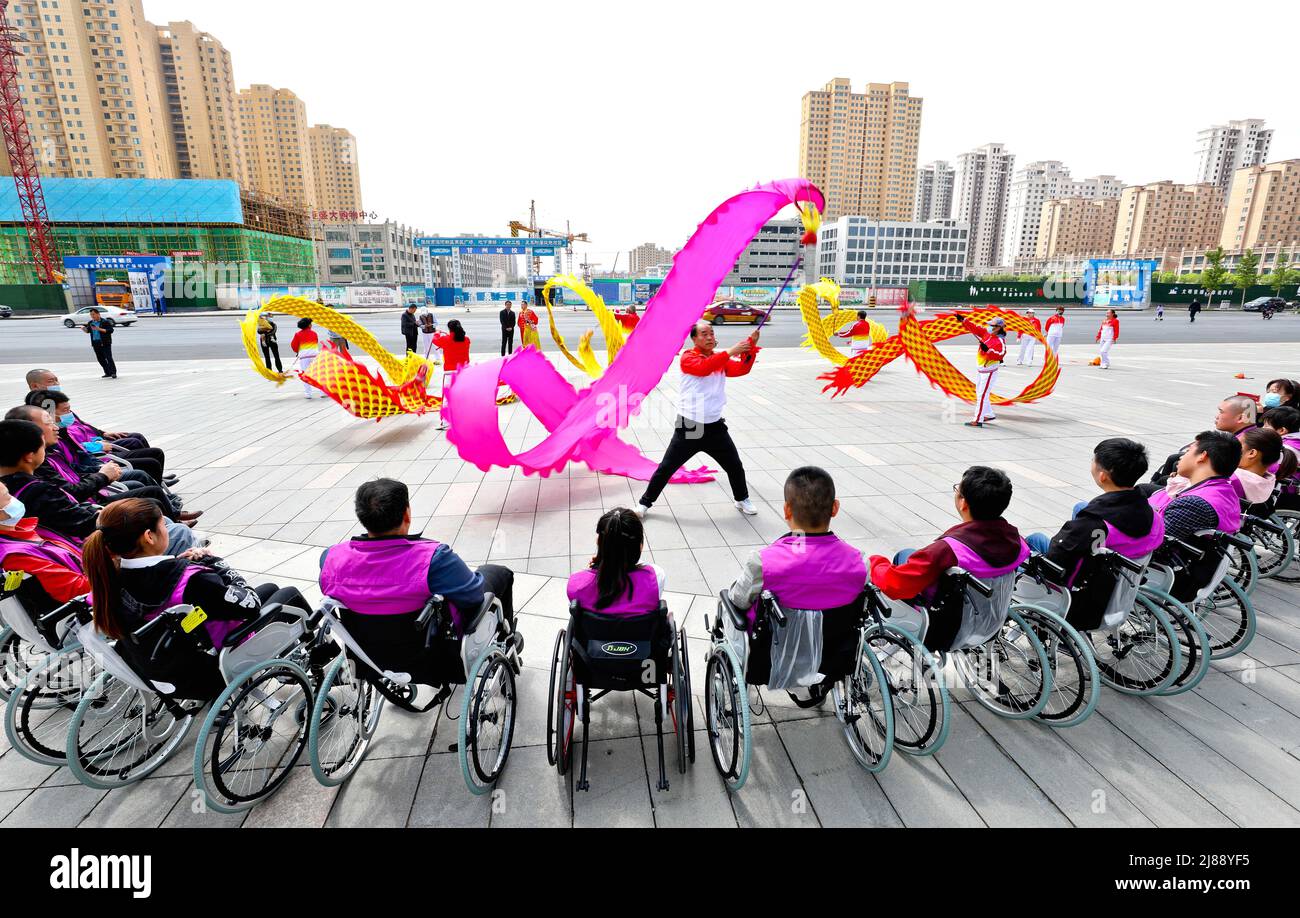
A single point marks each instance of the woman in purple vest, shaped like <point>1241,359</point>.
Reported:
<point>133,579</point>
<point>1286,423</point>
<point>616,582</point>
<point>1264,462</point>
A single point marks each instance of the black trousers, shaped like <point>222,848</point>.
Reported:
<point>104,354</point>
<point>270,351</point>
<point>131,441</point>
<point>412,341</point>
<point>500,581</point>
<point>285,596</point>
<point>157,495</point>
<point>507,340</point>
<point>689,438</point>
<point>152,461</point>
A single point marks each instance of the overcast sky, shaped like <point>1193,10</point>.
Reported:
<point>633,121</point>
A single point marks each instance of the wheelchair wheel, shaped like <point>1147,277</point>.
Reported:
<point>1290,573</point>
<point>41,707</point>
<point>1076,682</point>
<point>1193,642</point>
<point>18,658</point>
<point>120,735</point>
<point>1010,674</point>
<point>680,704</point>
<point>865,710</point>
<point>726,716</point>
<point>1229,623</point>
<point>253,736</point>
<point>561,706</point>
<point>487,721</point>
<point>1142,656</point>
<point>916,688</point>
<point>344,719</point>
<point>1274,551</point>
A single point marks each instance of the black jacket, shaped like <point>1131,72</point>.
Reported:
<point>508,318</point>
<point>85,488</point>
<point>409,325</point>
<point>52,506</point>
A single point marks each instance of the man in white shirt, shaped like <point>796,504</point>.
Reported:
<point>700,427</point>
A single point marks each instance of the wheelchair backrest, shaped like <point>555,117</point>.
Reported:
<point>982,616</point>
<point>107,657</point>
<point>14,612</point>
<point>620,651</point>
<point>272,640</point>
<point>1124,593</point>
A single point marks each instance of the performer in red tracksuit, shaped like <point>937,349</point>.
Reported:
<point>1107,335</point>
<point>1056,329</point>
<point>700,427</point>
<point>992,351</point>
<point>1027,341</point>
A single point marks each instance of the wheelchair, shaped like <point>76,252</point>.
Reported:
<point>602,653</point>
<point>1274,545</point>
<point>1134,647</point>
<point>1198,575</point>
<point>998,649</point>
<point>777,654</point>
<point>45,672</point>
<point>484,657</point>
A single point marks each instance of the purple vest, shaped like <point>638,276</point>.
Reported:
<point>217,630</point>
<point>47,550</point>
<point>81,432</point>
<point>1136,546</point>
<point>643,598</point>
<point>813,572</point>
<point>380,576</point>
<point>1217,492</point>
<point>972,563</point>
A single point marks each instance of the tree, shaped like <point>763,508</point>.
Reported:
<point>1247,273</point>
<point>1283,274</point>
<point>1214,274</point>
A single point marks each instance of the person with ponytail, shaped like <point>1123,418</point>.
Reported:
<point>133,579</point>
<point>454,344</point>
<point>616,582</point>
<point>1263,463</point>
<point>53,564</point>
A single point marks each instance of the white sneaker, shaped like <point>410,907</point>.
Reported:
<point>746,507</point>
<point>640,510</point>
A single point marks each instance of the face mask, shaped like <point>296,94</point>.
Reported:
<point>67,420</point>
<point>1272,400</point>
<point>12,512</point>
<point>54,388</point>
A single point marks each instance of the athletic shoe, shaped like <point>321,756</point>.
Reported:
<point>746,507</point>
<point>974,424</point>
<point>640,510</point>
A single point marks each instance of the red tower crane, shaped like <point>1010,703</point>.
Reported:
<point>22,157</point>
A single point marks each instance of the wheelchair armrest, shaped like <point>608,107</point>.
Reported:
<point>1190,550</point>
<point>874,604</point>
<point>738,617</point>
<point>125,464</point>
<point>430,609</point>
<point>979,586</point>
<point>1116,558</point>
<point>271,612</point>
<point>1267,525</point>
<point>1040,568</point>
<point>773,608</point>
<point>1241,541</point>
<point>71,607</point>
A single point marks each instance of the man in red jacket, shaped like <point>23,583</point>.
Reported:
<point>700,427</point>
<point>992,351</point>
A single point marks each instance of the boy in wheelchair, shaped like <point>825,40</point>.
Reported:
<point>807,570</point>
<point>1120,519</point>
<point>1200,507</point>
<point>385,579</point>
<point>133,580</point>
<point>983,544</point>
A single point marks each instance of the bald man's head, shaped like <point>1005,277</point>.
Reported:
<point>1235,413</point>
<point>41,379</point>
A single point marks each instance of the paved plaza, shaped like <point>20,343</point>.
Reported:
<point>275,474</point>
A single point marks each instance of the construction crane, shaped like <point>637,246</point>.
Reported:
<point>22,157</point>
<point>532,229</point>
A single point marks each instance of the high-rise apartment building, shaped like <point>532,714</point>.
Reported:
<point>89,75</point>
<point>1167,217</point>
<point>198,89</point>
<point>277,151</point>
<point>647,255</point>
<point>860,148</point>
<point>1224,148</point>
<point>934,190</point>
<point>335,169</point>
<point>983,192</point>
<point>1263,207</point>
<point>1076,226</point>
<point>1033,186</point>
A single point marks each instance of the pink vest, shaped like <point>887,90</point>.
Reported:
<point>380,576</point>
<point>216,629</point>
<point>81,432</point>
<point>644,596</point>
<point>1217,492</point>
<point>813,572</point>
<point>972,563</point>
<point>1136,546</point>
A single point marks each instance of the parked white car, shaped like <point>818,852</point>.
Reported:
<point>123,317</point>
